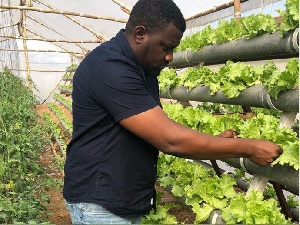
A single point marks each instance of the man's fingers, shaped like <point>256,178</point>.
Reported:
<point>229,134</point>
<point>280,150</point>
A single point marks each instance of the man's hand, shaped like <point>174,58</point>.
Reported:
<point>228,134</point>
<point>264,152</point>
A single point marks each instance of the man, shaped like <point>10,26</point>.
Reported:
<point>119,124</point>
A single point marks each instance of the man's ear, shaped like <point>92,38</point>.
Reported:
<point>139,34</point>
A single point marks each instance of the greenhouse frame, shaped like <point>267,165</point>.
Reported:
<point>236,67</point>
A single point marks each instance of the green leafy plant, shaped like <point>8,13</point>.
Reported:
<point>232,78</point>
<point>290,16</point>
<point>161,215</point>
<point>22,136</point>
<point>292,202</point>
<point>205,192</point>
<point>247,27</point>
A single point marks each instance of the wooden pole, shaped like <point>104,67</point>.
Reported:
<point>63,13</point>
<point>237,10</point>
<point>10,25</point>
<point>72,58</point>
<point>47,71</point>
<point>53,40</point>
<point>122,6</point>
<point>44,38</point>
<point>42,50</point>
<point>23,22</point>
<point>51,92</point>
<point>214,9</point>
<point>75,21</point>
<point>3,40</point>
<point>35,20</point>
<point>3,10</point>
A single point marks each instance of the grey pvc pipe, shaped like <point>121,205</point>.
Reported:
<point>255,48</point>
<point>286,176</point>
<point>267,46</point>
<point>244,186</point>
<point>255,96</point>
<point>216,215</point>
<point>295,213</point>
<point>240,182</point>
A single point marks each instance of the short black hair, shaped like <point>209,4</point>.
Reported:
<point>155,15</point>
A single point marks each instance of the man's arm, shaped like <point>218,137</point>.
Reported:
<point>170,137</point>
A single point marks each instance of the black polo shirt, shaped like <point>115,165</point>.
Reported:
<point>106,164</point>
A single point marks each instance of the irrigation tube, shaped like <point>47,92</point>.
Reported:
<point>286,176</point>
<point>240,182</point>
<point>255,96</point>
<point>267,46</point>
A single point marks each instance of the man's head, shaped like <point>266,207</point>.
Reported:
<point>154,29</point>
<point>155,15</point>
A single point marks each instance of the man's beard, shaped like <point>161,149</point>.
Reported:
<point>153,71</point>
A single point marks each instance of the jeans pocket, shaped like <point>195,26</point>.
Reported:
<point>75,212</point>
<point>96,214</point>
<point>90,213</point>
<point>92,208</point>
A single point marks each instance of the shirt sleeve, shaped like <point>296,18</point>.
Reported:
<point>121,89</point>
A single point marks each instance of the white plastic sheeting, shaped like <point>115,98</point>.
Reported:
<point>69,25</point>
<point>66,27</point>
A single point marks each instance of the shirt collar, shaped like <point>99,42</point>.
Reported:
<point>126,48</point>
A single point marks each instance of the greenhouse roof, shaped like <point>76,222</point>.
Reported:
<point>49,35</point>
<point>78,26</point>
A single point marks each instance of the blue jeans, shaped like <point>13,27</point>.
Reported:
<point>90,213</point>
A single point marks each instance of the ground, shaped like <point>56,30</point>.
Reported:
<point>58,213</point>
<point>56,208</point>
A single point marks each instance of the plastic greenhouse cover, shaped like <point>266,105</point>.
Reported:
<point>53,20</point>
<point>68,27</point>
